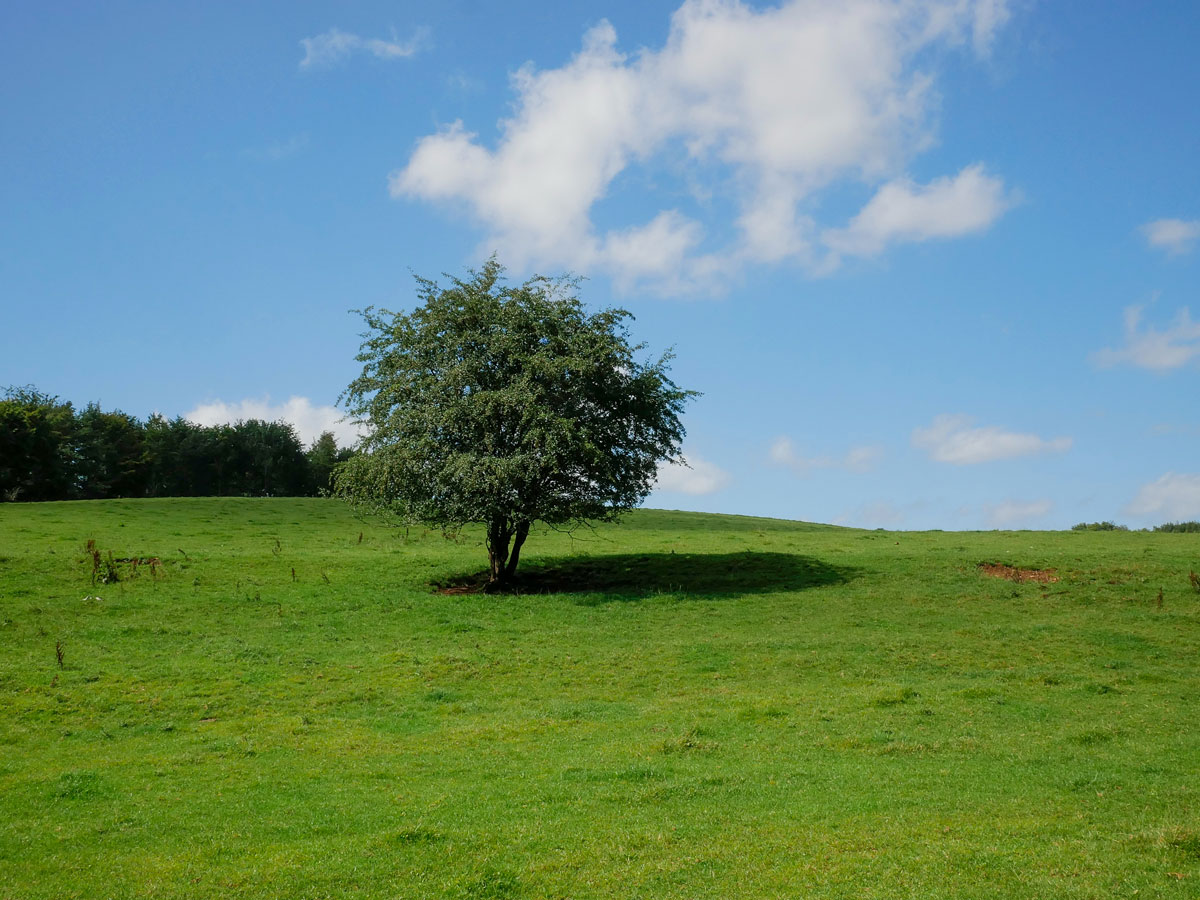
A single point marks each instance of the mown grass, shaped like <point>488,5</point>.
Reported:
<point>679,706</point>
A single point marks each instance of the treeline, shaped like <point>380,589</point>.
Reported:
<point>1187,527</point>
<point>51,451</point>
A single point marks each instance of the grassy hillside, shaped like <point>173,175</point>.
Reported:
<point>277,704</point>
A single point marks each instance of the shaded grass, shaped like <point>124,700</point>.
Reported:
<point>773,709</point>
<point>639,575</point>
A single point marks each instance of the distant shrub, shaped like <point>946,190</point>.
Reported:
<point>1186,527</point>
<point>1099,526</point>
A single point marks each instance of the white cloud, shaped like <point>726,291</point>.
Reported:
<point>309,420</point>
<point>1176,236</point>
<point>697,477</point>
<point>989,16</point>
<point>952,439</point>
<point>777,104</point>
<point>1016,512</point>
<point>1172,498</point>
<point>655,251</point>
<point>1150,348</point>
<point>902,211</point>
<point>857,459</point>
<point>335,45</point>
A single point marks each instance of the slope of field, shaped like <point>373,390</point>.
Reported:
<point>277,704</point>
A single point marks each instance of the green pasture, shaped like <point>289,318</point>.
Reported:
<point>277,703</point>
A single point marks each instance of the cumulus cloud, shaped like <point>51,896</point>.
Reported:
<point>1176,236</point>
<point>902,211</point>
<point>857,459</point>
<point>1172,498</point>
<point>656,252</point>
<point>1151,348</point>
<point>698,477</point>
<point>953,439</point>
<point>1016,512</point>
<point>774,105</point>
<point>308,419</point>
<point>335,45</point>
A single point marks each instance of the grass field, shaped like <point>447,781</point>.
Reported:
<point>683,706</point>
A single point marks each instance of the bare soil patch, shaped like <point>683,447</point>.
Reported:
<point>476,585</point>
<point>1012,573</point>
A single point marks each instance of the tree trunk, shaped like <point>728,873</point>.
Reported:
<point>522,532</point>
<point>498,536</point>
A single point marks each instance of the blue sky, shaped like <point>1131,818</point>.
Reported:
<point>931,262</point>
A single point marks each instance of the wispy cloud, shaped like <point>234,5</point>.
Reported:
<point>698,477</point>
<point>878,514</point>
<point>1150,348</point>
<point>1175,428</point>
<point>460,81</point>
<point>1174,497</point>
<point>776,104</point>
<point>953,439</point>
<point>857,459</point>
<point>988,17</point>
<point>278,150</point>
<point>1176,236</point>
<point>308,419</point>
<point>1012,513</point>
<point>335,45</point>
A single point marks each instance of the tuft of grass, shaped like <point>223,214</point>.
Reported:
<point>694,740</point>
<point>492,884</point>
<point>901,696</point>
<point>79,785</point>
<point>415,836</point>
<point>1186,842</point>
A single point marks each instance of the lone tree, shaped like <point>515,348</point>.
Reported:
<point>504,405</point>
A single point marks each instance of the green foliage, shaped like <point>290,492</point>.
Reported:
<point>506,405</point>
<point>323,457</point>
<point>48,451</point>
<point>1099,526</point>
<point>1181,527</point>
<point>110,454</point>
<point>266,459</point>
<point>182,458</point>
<point>37,457</point>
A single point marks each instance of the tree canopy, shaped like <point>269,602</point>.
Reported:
<point>503,405</point>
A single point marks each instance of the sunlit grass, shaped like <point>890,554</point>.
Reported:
<point>679,706</point>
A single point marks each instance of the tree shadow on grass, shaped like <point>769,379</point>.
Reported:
<point>633,576</point>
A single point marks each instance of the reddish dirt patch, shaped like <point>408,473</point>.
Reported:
<point>459,589</point>
<point>476,583</point>
<point>1011,573</point>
